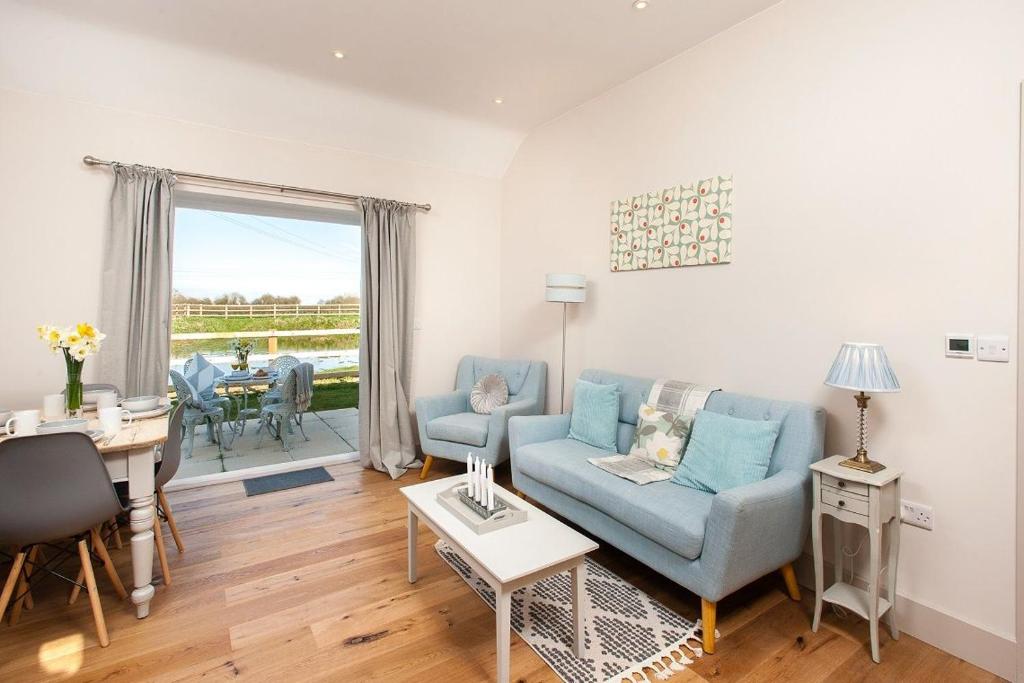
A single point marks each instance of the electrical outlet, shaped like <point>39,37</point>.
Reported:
<point>916,514</point>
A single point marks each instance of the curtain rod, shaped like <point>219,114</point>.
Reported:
<point>90,160</point>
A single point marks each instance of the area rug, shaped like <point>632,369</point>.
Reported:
<point>626,629</point>
<point>286,480</point>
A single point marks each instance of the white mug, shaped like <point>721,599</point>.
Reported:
<point>26,422</point>
<point>106,399</point>
<point>54,407</point>
<point>110,420</point>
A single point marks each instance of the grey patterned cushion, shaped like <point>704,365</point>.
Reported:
<point>490,392</point>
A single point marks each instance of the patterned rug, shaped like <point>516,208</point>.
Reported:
<point>626,630</point>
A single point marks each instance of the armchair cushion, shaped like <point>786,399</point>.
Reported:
<point>672,516</point>
<point>467,428</point>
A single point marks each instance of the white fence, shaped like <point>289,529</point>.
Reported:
<point>260,310</point>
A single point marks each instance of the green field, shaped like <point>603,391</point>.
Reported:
<point>183,348</point>
<point>328,394</point>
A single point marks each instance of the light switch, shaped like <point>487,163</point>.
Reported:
<point>994,348</point>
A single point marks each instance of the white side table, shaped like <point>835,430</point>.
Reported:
<point>873,502</point>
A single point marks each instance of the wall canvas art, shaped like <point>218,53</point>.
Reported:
<point>685,225</point>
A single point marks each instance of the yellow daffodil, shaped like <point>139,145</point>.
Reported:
<point>86,330</point>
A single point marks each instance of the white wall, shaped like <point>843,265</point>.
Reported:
<point>54,212</point>
<point>875,150</point>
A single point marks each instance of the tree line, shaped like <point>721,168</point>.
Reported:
<point>239,298</point>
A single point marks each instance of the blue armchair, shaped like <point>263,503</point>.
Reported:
<point>710,544</point>
<point>450,429</point>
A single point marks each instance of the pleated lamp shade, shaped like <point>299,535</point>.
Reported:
<point>569,288</point>
<point>862,367</point>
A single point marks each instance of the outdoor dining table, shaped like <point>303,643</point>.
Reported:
<point>130,457</point>
<point>245,382</point>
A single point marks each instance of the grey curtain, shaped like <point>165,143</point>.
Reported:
<point>385,340</point>
<point>136,297</point>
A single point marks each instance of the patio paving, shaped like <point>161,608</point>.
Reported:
<point>330,432</point>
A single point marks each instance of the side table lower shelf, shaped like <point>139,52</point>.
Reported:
<point>853,598</point>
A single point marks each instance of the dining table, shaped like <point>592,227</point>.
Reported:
<point>131,456</point>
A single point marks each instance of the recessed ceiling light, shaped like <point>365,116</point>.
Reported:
<point>640,4</point>
<point>499,100</point>
<point>338,54</point>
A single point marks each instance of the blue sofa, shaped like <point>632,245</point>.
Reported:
<point>709,544</point>
<point>450,429</point>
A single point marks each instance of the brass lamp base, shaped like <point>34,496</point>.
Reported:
<point>864,465</point>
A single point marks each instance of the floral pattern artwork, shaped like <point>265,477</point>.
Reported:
<point>685,225</point>
<point>660,437</point>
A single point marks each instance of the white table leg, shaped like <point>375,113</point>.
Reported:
<point>819,559</point>
<point>503,625</point>
<point>579,580</point>
<point>891,562</point>
<point>875,541</point>
<point>141,494</point>
<point>413,523</point>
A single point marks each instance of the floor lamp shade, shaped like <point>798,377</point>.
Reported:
<point>564,288</point>
<point>567,288</point>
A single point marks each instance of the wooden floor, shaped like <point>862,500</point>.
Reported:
<point>310,584</point>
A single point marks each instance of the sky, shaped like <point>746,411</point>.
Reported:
<point>217,252</point>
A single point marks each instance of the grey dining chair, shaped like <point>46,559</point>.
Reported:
<point>170,460</point>
<point>55,487</point>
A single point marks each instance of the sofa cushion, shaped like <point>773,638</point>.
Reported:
<point>726,452</point>
<point>467,428</point>
<point>670,515</point>
<point>595,409</point>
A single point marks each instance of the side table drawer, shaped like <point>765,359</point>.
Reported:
<point>854,504</point>
<point>844,485</point>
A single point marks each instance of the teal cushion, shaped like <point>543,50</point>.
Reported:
<point>465,428</point>
<point>725,452</point>
<point>595,414</point>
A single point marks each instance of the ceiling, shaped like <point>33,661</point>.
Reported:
<point>543,57</point>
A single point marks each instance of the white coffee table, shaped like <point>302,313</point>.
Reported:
<point>507,559</point>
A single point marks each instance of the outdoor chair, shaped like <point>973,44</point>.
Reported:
<point>288,408</point>
<point>197,412</point>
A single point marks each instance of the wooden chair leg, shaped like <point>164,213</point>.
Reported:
<point>116,528</point>
<point>94,594</point>
<point>101,550</point>
<point>790,578</point>
<point>77,588</point>
<point>166,507</point>
<point>427,462</point>
<point>12,581</point>
<point>707,617</point>
<point>161,550</point>
<point>23,585</point>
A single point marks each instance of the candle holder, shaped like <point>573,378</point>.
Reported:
<point>476,507</point>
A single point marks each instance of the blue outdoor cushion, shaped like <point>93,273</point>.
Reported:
<point>467,428</point>
<point>595,414</point>
<point>203,375</point>
<point>672,516</point>
<point>725,452</point>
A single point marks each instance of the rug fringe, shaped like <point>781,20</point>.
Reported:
<point>663,671</point>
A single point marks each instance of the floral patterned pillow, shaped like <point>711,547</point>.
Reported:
<point>660,437</point>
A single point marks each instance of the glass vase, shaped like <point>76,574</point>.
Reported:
<point>73,390</point>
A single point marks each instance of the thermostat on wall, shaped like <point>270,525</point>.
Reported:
<point>960,345</point>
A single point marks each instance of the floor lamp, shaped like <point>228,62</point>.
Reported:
<point>564,288</point>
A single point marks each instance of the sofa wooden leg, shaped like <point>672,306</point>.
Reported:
<point>791,585</point>
<point>707,618</point>
<point>521,494</point>
<point>427,462</point>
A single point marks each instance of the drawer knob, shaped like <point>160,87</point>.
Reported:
<point>842,503</point>
<point>842,484</point>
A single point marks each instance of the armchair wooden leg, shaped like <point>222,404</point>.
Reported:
<point>521,495</point>
<point>707,618</point>
<point>791,585</point>
<point>427,462</point>
<point>169,514</point>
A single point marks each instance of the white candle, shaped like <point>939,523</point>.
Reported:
<point>469,474</point>
<point>490,487</point>
<point>480,482</point>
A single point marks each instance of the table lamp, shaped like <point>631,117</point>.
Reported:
<point>564,288</point>
<point>861,368</point>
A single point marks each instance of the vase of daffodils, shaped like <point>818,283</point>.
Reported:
<point>77,343</point>
<point>242,348</point>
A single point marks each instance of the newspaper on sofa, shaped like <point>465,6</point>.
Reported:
<point>663,428</point>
